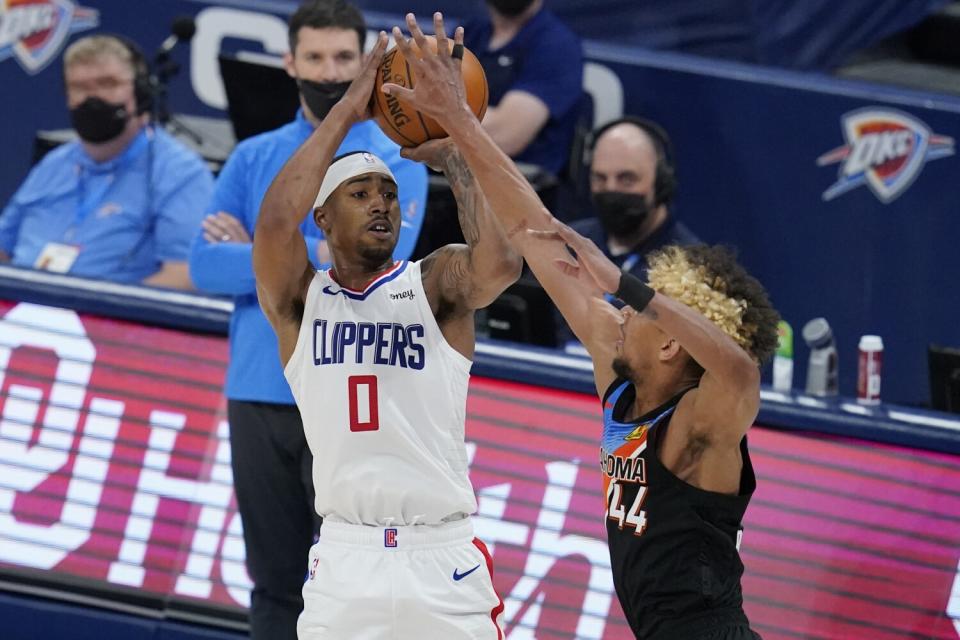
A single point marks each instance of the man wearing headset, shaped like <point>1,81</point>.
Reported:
<point>632,184</point>
<point>123,202</point>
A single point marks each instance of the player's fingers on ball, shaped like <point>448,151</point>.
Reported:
<point>402,43</point>
<point>412,153</point>
<point>381,42</point>
<point>376,54</point>
<point>415,31</point>
<point>440,32</point>
<point>401,92</point>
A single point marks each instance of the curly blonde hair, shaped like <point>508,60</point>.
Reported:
<point>708,279</point>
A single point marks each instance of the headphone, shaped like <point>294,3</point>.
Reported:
<point>142,85</point>
<point>665,180</point>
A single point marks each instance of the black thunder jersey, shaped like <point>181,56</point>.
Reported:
<point>673,547</point>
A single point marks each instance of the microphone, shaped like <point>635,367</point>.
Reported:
<point>182,30</point>
<point>164,68</point>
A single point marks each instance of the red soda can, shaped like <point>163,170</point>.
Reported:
<point>868,373</point>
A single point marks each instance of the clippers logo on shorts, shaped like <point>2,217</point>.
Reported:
<point>390,537</point>
<point>35,30</point>
<point>886,150</point>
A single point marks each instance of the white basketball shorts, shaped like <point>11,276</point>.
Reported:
<point>416,582</point>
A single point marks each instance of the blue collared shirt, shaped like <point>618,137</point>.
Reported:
<point>127,215</point>
<point>254,373</point>
<point>544,59</point>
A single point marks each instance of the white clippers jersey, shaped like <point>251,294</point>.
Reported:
<point>383,400</point>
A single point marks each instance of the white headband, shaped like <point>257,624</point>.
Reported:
<point>351,166</point>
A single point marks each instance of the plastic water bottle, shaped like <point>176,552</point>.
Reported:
<point>822,369</point>
<point>868,373</point>
<point>783,360</point>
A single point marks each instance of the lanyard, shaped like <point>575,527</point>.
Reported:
<point>89,198</point>
<point>630,262</point>
<point>92,185</point>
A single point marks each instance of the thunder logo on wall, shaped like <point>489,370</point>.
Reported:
<point>885,149</point>
<point>34,31</point>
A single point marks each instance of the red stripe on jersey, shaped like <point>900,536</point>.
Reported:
<point>497,611</point>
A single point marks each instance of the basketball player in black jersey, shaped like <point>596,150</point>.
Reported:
<point>678,370</point>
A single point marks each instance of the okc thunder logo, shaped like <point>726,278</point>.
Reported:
<point>34,30</point>
<point>886,149</point>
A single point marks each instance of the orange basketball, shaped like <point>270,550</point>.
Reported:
<point>407,126</point>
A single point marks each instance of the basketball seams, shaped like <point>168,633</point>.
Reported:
<point>423,124</point>
<point>486,94</point>
<point>382,107</point>
<point>395,127</point>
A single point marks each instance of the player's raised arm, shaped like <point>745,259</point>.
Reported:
<point>728,395</point>
<point>438,93</point>
<point>280,260</point>
<point>475,274</point>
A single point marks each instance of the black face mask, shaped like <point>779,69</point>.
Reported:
<point>620,213</point>
<point>321,96</point>
<point>98,121</point>
<point>510,8</point>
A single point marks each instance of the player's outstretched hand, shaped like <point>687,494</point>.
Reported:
<point>438,91</point>
<point>589,264</point>
<point>359,95</point>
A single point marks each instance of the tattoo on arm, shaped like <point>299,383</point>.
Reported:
<point>456,277</point>
<point>426,265</point>
<point>469,198</point>
<point>452,273</point>
<point>650,313</point>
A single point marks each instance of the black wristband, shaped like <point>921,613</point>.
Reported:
<point>634,292</point>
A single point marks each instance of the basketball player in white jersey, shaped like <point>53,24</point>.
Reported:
<point>378,355</point>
